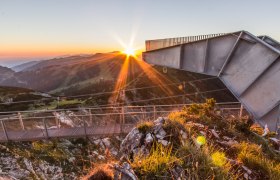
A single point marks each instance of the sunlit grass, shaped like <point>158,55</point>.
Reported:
<point>157,163</point>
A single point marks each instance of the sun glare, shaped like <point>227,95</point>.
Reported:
<point>129,51</point>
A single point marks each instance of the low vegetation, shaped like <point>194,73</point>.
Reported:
<point>238,151</point>
<point>202,141</point>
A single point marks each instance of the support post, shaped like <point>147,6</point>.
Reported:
<point>85,126</point>
<point>5,130</point>
<point>278,122</point>
<point>184,86</point>
<point>45,127</point>
<point>154,113</point>
<point>181,56</point>
<point>57,122</point>
<point>241,111</point>
<point>21,121</point>
<point>205,55</point>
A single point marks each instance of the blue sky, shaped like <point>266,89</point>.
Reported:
<point>38,29</point>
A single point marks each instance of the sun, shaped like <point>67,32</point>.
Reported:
<point>129,51</point>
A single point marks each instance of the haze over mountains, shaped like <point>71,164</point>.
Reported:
<point>49,75</point>
<point>102,72</point>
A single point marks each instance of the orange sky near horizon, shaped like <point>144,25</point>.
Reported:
<point>39,30</point>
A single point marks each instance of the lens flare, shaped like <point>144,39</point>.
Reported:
<point>132,63</point>
<point>130,51</point>
<point>201,140</point>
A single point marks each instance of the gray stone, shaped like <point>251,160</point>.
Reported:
<point>184,134</point>
<point>149,138</point>
<point>164,142</point>
<point>131,141</point>
<point>106,142</point>
<point>159,120</point>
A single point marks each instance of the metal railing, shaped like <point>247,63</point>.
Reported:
<point>78,122</point>
<point>162,43</point>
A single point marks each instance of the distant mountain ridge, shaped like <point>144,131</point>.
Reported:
<point>5,73</point>
<point>57,73</point>
<point>22,67</point>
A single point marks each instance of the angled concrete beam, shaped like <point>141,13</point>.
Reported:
<point>230,54</point>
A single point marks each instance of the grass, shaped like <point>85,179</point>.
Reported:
<point>205,163</point>
<point>157,163</point>
<point>252,156</point>
<point>145,126</point>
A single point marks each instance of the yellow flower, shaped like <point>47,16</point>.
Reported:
<point>218,158</point>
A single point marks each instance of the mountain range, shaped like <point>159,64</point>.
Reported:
<point>103,72</point>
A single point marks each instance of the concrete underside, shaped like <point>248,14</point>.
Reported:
<point>249,66</point>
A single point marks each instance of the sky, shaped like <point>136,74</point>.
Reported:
<point>41,29</point>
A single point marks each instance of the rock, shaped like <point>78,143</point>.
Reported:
<point>95,153</point>
<point>125,172</point>
<point>149,139</point>
<point>215,134</point>
<point>276,143</point>
<point>246,176</point>
<point>100,157</point>
<point>157,128</point>
<point>227,138</point>
<point>131,141</point>
<point>183,134</point>
<point>114,151</point>
<point>164,142</point>
<point>106,142</point>
<point>229,143</point>
<point>71,159</point>
<point>266,131</point>
<point>161,133</point>
<point>203,133</point>
<point>97,142</point>
<point>178,173</point>
<point>247,169</point>
<point>159,120</point>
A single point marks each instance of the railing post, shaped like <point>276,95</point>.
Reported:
<point>45,127</point>
<point>57,122</point>
<point>122,118</point>
<point>184,90</point>
<point>85,127</point>
<point>241,112</point>
<point>154,113</point>
<point>90,117</point>
<point>21,121</point>
<point>5,130</point>
<point>278,123</point>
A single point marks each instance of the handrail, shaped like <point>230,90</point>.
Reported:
<point>109,107</point>
<point>167,42</point>
<point>119,113</point>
